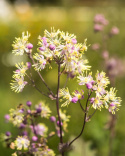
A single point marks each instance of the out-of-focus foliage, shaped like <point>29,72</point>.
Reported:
<point>77,20</point>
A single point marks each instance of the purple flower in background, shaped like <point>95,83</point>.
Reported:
<point>98,27</point>
<point>95,46</point>
<point>114,31</point>
<point>99,18</point>
<point>105,54</point>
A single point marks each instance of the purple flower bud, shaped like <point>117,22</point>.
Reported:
<point>28,65</point>
<point>34,138</point>
<point>42,48</point>
<point>92,82</point>
<point>28,111</point>
<point>22,126</point>
<point>89,85</point>
<point>52,47</point>
<point>17,71</point>
<point>7,117</point>
<point>25,121</point>
<point>52,118</point>
<point>24,133</point>
<point>112,104</point>
<point>33,145</point>
<point>74,41</point>
<point>58,123</point>
<point>29,46</point>
<point>8,133</point>
<point>29,103</point>
<point>92,100</point>
<point>74,99</point>
<point>21,110</point>
<point>39,110</point>
<point>44,41</point>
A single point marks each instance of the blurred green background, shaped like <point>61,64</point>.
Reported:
<point>74,16</point>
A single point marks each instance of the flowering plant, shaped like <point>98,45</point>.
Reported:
<point>68,55</point>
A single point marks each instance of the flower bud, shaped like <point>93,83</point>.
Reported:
<point>7,117</point>
<point>29,46</point>
<point>74,99</point>
<point>52,118</point>
<point>42,48</point>
<point>52,47</point>
<point>29,103</point>
<point>22,126</point>
<point>89,85</point>
<point>8,133</point>
<point>58,123</point>
<point>39,110</point>
<point>92,100</point>
<point>24,133</point>
<point>74,41</point>
<point>112,104</point>
<point>34,138</point>
<point>28,65</point>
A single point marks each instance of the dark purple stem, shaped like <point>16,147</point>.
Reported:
<point>84,122</point>
<point>57,106</point>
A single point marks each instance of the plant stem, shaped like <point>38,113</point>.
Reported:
<point>34,85</point>
<point>57,106</point>
<point>30,56</point>
<point>84,122</point>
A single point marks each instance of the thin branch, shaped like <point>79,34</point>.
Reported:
<point>57,106</point>
<point>90,116</point>
<point>81,106</point>
<point>30,56</point>
<point>34,85</point>
<point>84,122</point>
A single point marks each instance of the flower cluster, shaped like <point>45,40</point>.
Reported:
<point>18,83</point>
<point>61,47</point>
<point>21,45</point>
<point>98,88</point>
<point>33,135</point>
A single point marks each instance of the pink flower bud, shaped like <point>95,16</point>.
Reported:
<point>74,41</point>
<point>42,48</point>
<point>74,99</point>
<point>28,65</point>
<point>34,138</point>
<point>52,118</point>
<point>89,85</point>
<point>52,47</point>
<point>29,46</point>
